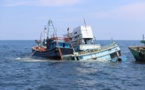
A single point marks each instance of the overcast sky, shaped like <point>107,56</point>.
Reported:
<point>25,19</point>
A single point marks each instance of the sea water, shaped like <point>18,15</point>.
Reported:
<point>20,71</point>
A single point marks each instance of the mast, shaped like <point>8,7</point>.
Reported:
<point>85,23</point>
<point>69,39</point>
<point>51,24</point>
<point>143,41</point>
<point>68,34</point>
<point>111,37</point>
<point>45,34</point>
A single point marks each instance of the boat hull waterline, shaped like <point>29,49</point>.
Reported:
<point>52,54</point>
<point>110,53</point>
<point>138,52</point>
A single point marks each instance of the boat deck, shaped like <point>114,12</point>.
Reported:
<point>41,49</point>
<point>103,48</point>
<point>138,48</point>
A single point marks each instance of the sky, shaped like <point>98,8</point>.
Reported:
<point>117,19</point>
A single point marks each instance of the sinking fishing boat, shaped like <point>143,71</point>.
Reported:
<point>51,47</point>
<point>138,51</point>
<point>82,41</point>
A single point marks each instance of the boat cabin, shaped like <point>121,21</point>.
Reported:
<point>82,38</point>
<point>52,44</point>
<point>81,35</point>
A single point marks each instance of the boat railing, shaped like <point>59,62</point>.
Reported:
<point>139,48</point>
<point>90,51</point>
<point>61,38</point>
<point>57,38</point>
<point>108,46</point>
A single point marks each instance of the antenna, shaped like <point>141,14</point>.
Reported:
<point>111,38</point>
<point>68,34</point>
<point>143,39</point>
<point>85,22</point>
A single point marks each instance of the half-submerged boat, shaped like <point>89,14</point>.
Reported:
<point>82,41</point>
<point>138,51</point>
<point>51,47</point>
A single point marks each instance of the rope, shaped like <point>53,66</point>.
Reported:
<point>32,53</point>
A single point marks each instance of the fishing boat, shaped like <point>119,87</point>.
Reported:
<point>138,51</point>
<point>51,47</point>
<point>82,41</point>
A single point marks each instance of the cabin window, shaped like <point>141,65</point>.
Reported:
<point>63,44</point>
<point>113,55</point>
<point>66,45</point>
<point>60,45</point>
<point>75,33</point>
<point>72,58</point>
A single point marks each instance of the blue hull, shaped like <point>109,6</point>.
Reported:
<point>53,53</point>
<point>108,53</point>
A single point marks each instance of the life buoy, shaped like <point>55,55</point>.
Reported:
<point>119,59</point>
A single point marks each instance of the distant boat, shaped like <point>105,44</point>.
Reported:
<point>138,51</point>
<point>82,41</point>
<point>51,47</point>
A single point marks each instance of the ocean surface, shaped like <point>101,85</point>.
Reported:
<point>20,71</point>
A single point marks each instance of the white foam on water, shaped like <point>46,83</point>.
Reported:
<point>29,59</point>
<point>18,58</point>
